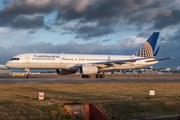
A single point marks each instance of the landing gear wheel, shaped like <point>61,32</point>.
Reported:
<point>97,76</point>
<point>28,76</point>
<point>86,76</point>
<point>100,76</point>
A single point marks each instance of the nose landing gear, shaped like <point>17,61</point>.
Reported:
<point>28,74</point>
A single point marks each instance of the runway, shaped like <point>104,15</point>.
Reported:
<point>78,79</point>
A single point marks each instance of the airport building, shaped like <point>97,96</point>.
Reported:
<point>149,70</point>
<point>4,70</point>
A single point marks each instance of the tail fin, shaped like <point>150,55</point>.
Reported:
<point>155,53</point>
<point>147,50</point>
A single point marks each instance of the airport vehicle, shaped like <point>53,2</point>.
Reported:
<point>88,64</point>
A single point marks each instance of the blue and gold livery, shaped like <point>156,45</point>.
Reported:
<point>147,50</point>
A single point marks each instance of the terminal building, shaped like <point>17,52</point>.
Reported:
<point>4,70</point>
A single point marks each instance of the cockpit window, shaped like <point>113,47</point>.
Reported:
<point>14,59</point>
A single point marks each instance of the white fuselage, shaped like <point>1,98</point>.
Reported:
<point>71,61</point>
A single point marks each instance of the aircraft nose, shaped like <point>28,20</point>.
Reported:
<point>7,64</point>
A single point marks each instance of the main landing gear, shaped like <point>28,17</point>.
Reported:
<point>97,76</point>
<point>86,76</point>
<point>100,76</point>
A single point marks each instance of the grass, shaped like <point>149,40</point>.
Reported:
<point>118,100</point>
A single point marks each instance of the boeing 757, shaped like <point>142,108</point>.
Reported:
<point>88,64</point>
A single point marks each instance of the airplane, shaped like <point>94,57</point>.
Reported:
<point>88,64</point>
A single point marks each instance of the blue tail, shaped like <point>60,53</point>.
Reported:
<point>147,50</point>
<point>155,53</point>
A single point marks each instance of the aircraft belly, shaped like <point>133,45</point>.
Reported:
<point>39,65</point>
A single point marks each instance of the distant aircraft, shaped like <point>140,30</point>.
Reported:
<point>88,64</point>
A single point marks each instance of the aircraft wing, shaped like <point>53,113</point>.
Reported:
<point>160,59</point>
<point>111,63</point>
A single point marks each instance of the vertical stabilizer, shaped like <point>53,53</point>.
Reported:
<point>147,50</point>
<point>155,53</point>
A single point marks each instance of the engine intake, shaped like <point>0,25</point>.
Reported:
<point>88,69</point>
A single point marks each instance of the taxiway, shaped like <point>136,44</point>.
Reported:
<point>78,79</point>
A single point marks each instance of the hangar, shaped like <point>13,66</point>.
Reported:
<point>4,70</point>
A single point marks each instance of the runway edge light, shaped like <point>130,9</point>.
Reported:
<point>151,93</point>
<point>41,95</point>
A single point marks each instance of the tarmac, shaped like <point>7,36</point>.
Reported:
<point>78,79</point>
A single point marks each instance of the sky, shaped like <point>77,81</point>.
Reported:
<point>117,27</point>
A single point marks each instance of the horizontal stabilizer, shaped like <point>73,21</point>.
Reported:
<point>160,59</point>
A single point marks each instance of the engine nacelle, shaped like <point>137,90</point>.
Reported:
<point>65,72</point>
<point>88,69</point>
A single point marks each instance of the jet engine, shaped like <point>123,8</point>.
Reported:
<point>88,69</point>
<point>65,72</point>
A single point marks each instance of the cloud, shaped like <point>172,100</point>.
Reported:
<point>90,32</point>
<point>106,40</point>
<point>21,21</point>
<point>23,14</point>
<point>17,37</point>
<point>131,43</point>
<point>149,15</point>
<point>167,50</point>
<point>144,34</point>
<point>26,22</point>
<point>3,30</point>
<point>30,7</point>
<point>31,32</point>
<point>176,36</point>
<point>106,14</point>
<point>170,48</point>
<point>169,20</point>
<point>6,2</point>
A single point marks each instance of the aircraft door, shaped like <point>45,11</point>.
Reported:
<point>62,59</point>
<point>59,60</point>
<point>27,59</point>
